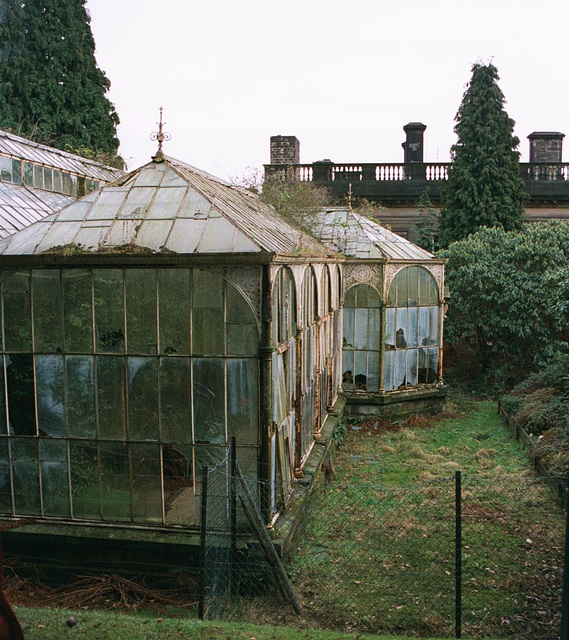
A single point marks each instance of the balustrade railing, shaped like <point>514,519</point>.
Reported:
<point>327,171</point>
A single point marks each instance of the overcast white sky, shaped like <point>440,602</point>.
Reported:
<point>343,77</point>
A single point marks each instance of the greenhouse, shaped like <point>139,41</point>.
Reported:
<point>148,323</point>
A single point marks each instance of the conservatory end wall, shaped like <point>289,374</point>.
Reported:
<point>118,384</point>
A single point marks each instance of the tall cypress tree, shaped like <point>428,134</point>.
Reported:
<point>484,188</point>
<point>51,89</point>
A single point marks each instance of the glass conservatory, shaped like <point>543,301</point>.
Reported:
<point>144,326</point>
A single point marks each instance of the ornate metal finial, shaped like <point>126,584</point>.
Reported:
<point>161,136</point>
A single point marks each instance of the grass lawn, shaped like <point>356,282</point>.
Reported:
<point>378,555</point>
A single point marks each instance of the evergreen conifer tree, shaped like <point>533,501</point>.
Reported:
<point>51,89</point>
<point>484,188</point>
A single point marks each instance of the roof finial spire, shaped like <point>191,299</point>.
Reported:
<point>161,136</point>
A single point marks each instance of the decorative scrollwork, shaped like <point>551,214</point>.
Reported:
<point>161,136</point>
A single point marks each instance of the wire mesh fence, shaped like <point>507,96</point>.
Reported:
<point>458,556</point>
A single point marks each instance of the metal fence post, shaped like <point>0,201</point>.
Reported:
<point>564,633</point>
<point>203,530</point>
<point>458,555</point>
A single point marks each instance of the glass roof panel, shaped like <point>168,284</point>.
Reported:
<point>185,235</point>
<point>150,175</point>
<point>77,211</point>
<point>137,202</point>
<point>194,203</point>
<point>218,236</point>
<point>27,239</point>
<point>166,203</point>
<point>59,234</point>
<point>154,233</point>
<point>91,237</point>
<point>107,205</point>
<point>122,232</point>
<point>172,179</point>
<point>242,244</point>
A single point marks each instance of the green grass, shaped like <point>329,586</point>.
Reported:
<point>50,624</point>
<point>378,554</point>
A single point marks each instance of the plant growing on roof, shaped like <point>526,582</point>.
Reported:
<point>484,188</point>
<point>51,89</point>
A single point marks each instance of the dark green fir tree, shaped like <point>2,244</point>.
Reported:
<point>51,89</point>
<point>484,188</point>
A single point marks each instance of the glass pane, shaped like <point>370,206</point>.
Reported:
<point>373,371</point>
<point>111,397</point>
<point>77,311</point>
<point>412,326</point>
<point>147,483</point>
<point>38,177</point>
<point>350,298</point>
<point>423,326</point>
<point>80,396</point>
<point>348,369</point>
<point>175,392</point>
<point>374,329</point>
<point>5,481</point>
<point>47,310</point>
<point>174,292</point>
<point>412,364</point>
<point>84,480</point>
<point>47,179</point>
<point>57,186</point>
<point>66,186</point>
<point>143,398</point>
<point>49,389</point>
<point>16,171</point>
<point>360,370</point>
<point>361,337</point>
<point>17,312</point>
<point>109,310</point>
<point>434,325</point>
<point>21,401</point>
<point>400,371</point>
<point>242,400</point>
<point>208,456</point>
<point>55,482</point>
<point>26,478</point>
<point>207,330</point>
<point>115,481</point>
<point>209,401</point>
<point>349,317</point>
<point>413,276</point>
<point>388,373</point>
<point>179,497</point>
<point>401,331</point>
<point>6,169</point>
<point>28,174</point>
<point>141,311</point>
<point>242,340</point>
<point>3,421</point>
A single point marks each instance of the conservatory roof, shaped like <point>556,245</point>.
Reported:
<point>356,236</point>
<point>21,206</point>
<point>165,206</point>
<point>23,149</point>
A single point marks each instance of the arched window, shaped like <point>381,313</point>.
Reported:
<point>309,364</point>
<point>284,307</point>
<point>412,330</point>
<point>362,339</point>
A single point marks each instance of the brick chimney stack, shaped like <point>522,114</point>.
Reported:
<point>413,145</point>
<point>285,150</point>
<point>546,146</point>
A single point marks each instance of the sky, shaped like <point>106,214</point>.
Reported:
<point>343,77</point>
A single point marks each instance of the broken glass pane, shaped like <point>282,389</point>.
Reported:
<point>177,471</point>
<point>5,482</point>
<point>21,401</point>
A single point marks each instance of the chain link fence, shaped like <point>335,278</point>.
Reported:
<point>462,556</point>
